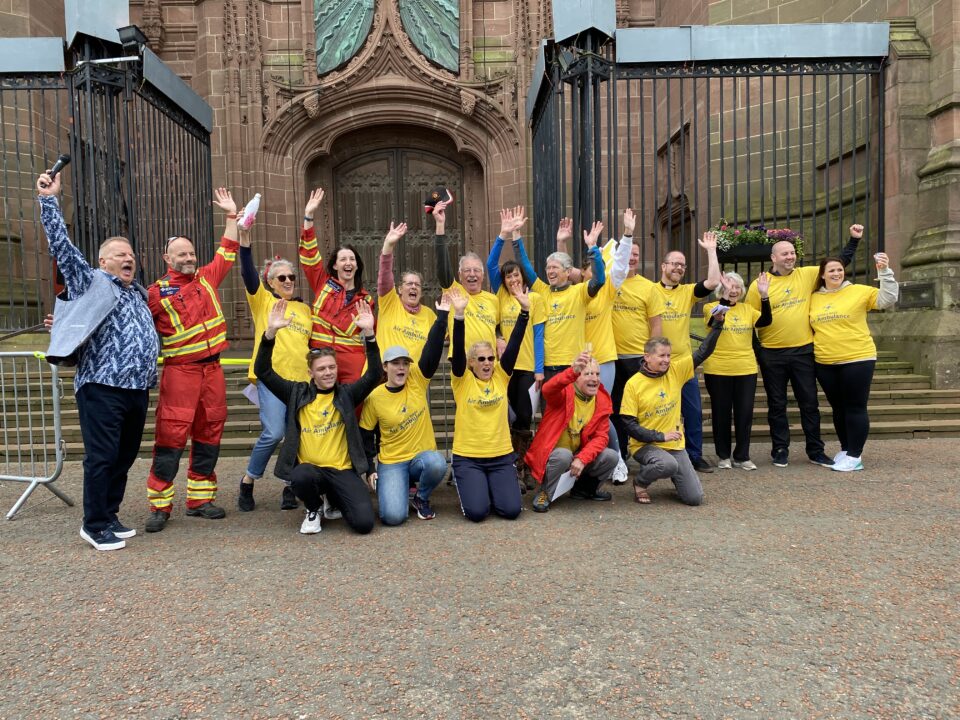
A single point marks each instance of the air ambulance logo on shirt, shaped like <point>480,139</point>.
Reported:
<point>662,394</point>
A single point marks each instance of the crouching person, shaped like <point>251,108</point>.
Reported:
<point>322,452</point>
<point>651,415</point>
<point>573,435</point>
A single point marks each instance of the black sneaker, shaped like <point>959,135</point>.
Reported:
<point>157,520</point>
<point>121,530</point>
<point>600,495</point>
<point>208,511</point>
<point>701,464</point>
<point>780,456</point>
<point>821,459</point>
<point>103,540</point>
<point>245,501</point>
<point>541,503</point>
<point>288,501</point>
<point>424,511</point>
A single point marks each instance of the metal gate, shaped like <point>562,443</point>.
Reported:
<point>697,125</point>
<point>139,139</point>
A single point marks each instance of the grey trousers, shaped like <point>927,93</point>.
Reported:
<point>593,474</point>
<point>656,463</point>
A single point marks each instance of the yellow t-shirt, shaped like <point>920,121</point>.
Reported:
<point>481,426</point>
<point>734,353</point>
<point>790,304</point>
<point>582,414</point>
<point>563,335</point>
<point>323,437</point>
<point>598,325</point>
<point>292,343</point>
<point>839,321</point>
<point>509,310</point>
<point>404,419</point>
<point>397,326</point>
<point>655,402</point>
<point>635,302</point>
<point>480,319</point>
<point>678,303</point>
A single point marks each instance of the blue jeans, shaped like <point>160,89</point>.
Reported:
<point>692,418</point>
<point>273,418</point>
<point>393,483</point>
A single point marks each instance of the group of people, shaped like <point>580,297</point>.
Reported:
<point>344,382</point>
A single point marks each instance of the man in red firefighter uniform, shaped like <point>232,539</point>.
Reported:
<point>193,393</point>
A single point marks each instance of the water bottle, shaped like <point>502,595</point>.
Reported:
<point>249,213</point>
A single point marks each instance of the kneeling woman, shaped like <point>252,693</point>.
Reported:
<point>844,351</point>
<point>482,452</point>
<point>401,409</point>
<point>322,452</point>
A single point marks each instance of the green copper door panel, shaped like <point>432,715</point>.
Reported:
<point>341,27</point>
<point>434,27</point>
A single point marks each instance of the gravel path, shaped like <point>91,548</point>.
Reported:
<point>794,593</point>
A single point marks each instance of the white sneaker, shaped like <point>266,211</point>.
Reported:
<point>848,464</point>
<point>620,473</point>
<point>839,456</point>
<point>329,511</point>
<point>724,464</point>
<point>311,523</point>
<point>745,465</point>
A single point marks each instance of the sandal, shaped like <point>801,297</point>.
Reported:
<point>641,496</point>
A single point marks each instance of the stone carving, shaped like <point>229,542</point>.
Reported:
<point>311,103</point>
<point>341,28</point>
<point>434,28</point>
<point>468,101</point>
<point>152,24</point>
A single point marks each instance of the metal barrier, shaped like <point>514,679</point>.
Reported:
<point>33,448</point>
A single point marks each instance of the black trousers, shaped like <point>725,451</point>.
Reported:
<point>626,368</point>
<point>111,423</point>
<point>731,394</point>
<point>518,395</point>
<point>343,488</point>
<point>795,365</point>
<point>847,388</point>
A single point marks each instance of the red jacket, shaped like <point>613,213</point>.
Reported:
<point>187,312</point>
<point>559,393</point>
<point>333,316</point>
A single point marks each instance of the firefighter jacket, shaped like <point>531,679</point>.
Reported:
<point>187,312</point>
<point>333,324</point>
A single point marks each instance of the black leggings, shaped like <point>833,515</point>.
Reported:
<point>847,388</point>
<point>626,368</point>
<point>731,394</point>
<point>518,395</point>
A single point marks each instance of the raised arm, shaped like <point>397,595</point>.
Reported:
<point>889,289</point>
<point>248,271</point>
<point>509,357</point>
<point>308,249</point>
<point>364,320</point>
<point>77,273</point>
<point>620,261</point>
<point>599,272</point>
<point>850,249</point>
<point>458,357</point>
<point>709,243</point>
<point>433,349</point>
<point>385,280</point>
<point>216,270</point>
<point>442,250</point>
<point>263,365</point>
<point>709,343</point>
<point>766,311</point>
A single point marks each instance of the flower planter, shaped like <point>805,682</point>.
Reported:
<point>745,253</point>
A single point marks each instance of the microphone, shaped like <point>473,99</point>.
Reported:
<point>59,165</point>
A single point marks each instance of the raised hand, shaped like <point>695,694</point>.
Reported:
<point>523,297</point>
<point>394,234</point>
<point>501,347</point>
<point>224,200</point>
<point>709,241</point>
<point>564,230</point>
<point>313,202</point>
<point>882,260</point>
<point>763,284</point>
<point>440,215</point>
<point>519,220</point>
<point>47,185</point>
<point>278,319</point>
<point>363,318</point>
<point>581,361</point>
<point>856,231</point>
<point>444,302</point>
<point>590,238</point>
<point>629,222</point>
<point>459,301</point>
<point>506,222</point>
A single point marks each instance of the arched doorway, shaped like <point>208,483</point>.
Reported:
<point>383,175</point>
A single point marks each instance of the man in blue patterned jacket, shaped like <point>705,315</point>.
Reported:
<point>116,367</point>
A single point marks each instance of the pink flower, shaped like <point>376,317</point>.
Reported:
<point>736,232</point>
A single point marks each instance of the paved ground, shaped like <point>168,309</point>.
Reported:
<point>796,593</point>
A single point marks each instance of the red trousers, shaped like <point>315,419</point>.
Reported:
<point>192,403</point>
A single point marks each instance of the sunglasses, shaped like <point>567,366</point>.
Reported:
<point>284,278</point>
<point>482,358</point>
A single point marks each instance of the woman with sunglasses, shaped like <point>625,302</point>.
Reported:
<point>483,459</point>
<point>338,291</point>
<point>279,282</point>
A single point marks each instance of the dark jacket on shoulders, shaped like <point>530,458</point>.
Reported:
<point>298,395</point>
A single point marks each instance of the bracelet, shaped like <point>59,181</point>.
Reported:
<point>308,219</point>
<point>231,216</point>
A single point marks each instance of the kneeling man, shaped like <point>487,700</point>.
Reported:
<point>322,452</point>
<point>573,435</point>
